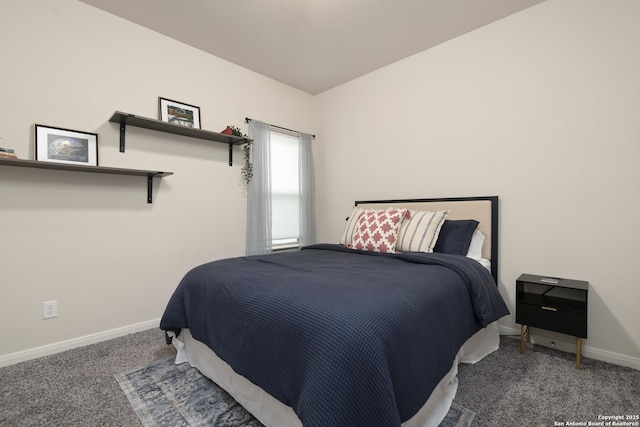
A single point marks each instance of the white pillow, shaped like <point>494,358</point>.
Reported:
<point>377,230</point>
<point>475,247</point>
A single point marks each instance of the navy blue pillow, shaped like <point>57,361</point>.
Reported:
<point>455,236</point>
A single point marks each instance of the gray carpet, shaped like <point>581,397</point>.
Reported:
<point>78,387</point>
<point>157,394</point>
<point>542,387</point>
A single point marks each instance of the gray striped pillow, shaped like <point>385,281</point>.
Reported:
<point>419,232</point>
<point>349,229</point>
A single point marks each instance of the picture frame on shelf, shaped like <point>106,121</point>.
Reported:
<point>179,113</point>
<point>59,145</point>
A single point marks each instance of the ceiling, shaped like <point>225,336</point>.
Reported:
<point>312,45</point>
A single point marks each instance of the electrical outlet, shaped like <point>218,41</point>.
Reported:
<point>49,309</point>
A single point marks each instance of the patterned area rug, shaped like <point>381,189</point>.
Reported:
<point>166,394</point>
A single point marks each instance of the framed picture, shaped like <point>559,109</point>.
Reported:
<point>179,113</point>
<point>66,146</point>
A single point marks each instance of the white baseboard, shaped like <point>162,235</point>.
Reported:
<point>45,350</point>
<point>565,343</point>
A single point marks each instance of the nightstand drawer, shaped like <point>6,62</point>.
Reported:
<point>552,319</point>
<point>552,296</point>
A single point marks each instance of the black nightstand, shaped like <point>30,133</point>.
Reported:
<point>553,304</point>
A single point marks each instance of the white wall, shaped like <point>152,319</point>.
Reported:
<point>540,108</point>
<point>91,242</point>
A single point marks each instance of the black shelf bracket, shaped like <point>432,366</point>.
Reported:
<point>230,154</point>
<point>123,128</point>
<point>150,189</point>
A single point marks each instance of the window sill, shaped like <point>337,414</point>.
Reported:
<point>285,248</point>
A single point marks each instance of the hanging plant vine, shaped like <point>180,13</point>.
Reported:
<point>247,169</point>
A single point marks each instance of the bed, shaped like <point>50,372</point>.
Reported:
<point>365,332</point>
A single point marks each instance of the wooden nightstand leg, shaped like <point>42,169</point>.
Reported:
<point>522,329</point>
<point>578,352</point>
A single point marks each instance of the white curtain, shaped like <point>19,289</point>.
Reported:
<point>307,192</point>
<point>259,191</point>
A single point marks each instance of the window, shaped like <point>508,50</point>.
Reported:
<point>285,191</point>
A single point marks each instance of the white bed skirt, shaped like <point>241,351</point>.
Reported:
<point>272,413</point>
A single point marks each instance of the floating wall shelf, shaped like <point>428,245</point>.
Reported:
<point>143,122</point>
<point>91,169</point>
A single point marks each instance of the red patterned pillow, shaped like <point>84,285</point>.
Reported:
<point>377,230</point>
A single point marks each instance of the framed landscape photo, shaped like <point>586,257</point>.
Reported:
<point>60,145</point>
<point>179,113</point>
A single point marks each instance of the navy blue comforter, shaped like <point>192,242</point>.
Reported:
<point>345,338</point>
